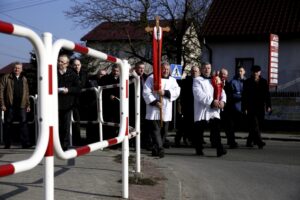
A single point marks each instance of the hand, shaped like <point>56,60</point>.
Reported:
<point>66,90</point>
<point>215,104</point>
<point>269,110</point>
<point>159,105</point>
<point>221,104</point>
<point>28,109</point>
<point>3,108</point>
<point>161,92</point>
<point>112,97</point>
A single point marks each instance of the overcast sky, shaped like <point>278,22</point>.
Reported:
<point>40,16</point>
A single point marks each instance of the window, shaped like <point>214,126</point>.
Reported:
<point>247,63</point>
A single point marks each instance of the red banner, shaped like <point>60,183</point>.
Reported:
<point>156,52</point>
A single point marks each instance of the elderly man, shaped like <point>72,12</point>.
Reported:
<point>169,92</point>
<point>68,90</point>
<point>14,100</point>
<point>207,110</point>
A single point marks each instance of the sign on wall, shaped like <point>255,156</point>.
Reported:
<point>176,71</point>
<point>273,60</point>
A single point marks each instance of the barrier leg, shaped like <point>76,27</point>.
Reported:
<point>49,169</point>
<point>125,170</point>
<point>138,152</point>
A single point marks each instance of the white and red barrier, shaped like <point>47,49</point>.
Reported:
<point>47,109</point>
<point>43,115</point>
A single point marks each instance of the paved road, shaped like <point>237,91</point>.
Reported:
<point>270,174</point>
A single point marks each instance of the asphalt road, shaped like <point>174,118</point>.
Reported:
<point>244,173</point>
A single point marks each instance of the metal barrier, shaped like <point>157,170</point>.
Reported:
<point>47,109</point>
<point>42,114</point>
<point>123,131</point>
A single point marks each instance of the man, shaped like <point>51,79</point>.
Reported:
<point>255,101</point>
<point>14,100</point>
<point>169,92</point>
<point>207,110</point>
<point>80,99</point>
<point>186,128</point>
<point>111,102</point>
<point>226,114</point>
<point>139,70</point>
<point>68,90</point>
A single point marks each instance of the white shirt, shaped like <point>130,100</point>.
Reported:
<point>153,112</point>
<point>203,97</point>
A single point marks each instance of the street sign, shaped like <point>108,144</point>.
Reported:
<point>273,60</point>
<point>176,71</point>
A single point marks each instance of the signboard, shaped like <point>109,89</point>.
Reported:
<point>273,60</point>
<point>176,71</point>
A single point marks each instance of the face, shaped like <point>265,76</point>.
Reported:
<point>140,69</point>
<point>256,75</point>
<point>206,70</point>
<point>195,71</point>
<point>115,72</point>
<point>77,65</point>
<point>63,62</point>
<point>18,69</point>
<point>241,72</point>
<point>165,71</point>
<point>101,73</point>
<point>224,74</point>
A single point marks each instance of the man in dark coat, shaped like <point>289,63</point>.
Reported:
<point>68,90</point>
<point>255,102</point>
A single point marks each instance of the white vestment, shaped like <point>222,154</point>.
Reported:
<point>203,97</point>
<point>152,112</point>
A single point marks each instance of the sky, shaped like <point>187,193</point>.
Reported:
<point>40,16</point>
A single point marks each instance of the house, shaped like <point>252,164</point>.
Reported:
<point>237,33</point>
<point>129,40</point>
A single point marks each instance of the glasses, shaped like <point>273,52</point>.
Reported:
<point>62,62</point>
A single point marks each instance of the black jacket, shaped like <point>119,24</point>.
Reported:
<point>71,81</point>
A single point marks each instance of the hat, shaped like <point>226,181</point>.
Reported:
<point>255,68</point>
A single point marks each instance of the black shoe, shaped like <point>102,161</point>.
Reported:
<point>154,152</point>
<point>221,152</point>
<point>249,144</point>
<point>161,153</point>
<point>6,147</point>
<point>199,152</point>
<point>26,146</point>
<point>233,145</point>
<point>261,145</point>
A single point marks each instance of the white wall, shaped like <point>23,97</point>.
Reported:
<point>225,53</point>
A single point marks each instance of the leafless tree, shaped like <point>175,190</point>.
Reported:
<point>181,14</point>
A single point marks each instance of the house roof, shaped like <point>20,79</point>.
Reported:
<point>9,68</point>
<point>252,17</point>
<point>109,31</point>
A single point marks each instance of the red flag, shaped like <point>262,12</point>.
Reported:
<point>156,52</point>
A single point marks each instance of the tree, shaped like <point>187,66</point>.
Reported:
<point>181,14</point>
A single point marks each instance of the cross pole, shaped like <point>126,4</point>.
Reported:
<point>157,33</point>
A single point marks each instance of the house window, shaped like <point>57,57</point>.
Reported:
<point>247,63</point>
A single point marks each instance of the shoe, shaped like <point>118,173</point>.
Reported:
<point>154,152</point>
<point>249,144</point>
<point>161,153</point>
<point>199,152</point>
<point>6,147</point>
<point>261,145</point>
<point>26,146</point>
<point>233,145</point>
<point>221,152</point>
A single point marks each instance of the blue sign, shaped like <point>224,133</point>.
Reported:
<point>176,71</point>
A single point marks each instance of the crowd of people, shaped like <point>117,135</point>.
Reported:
<point>205,101</point>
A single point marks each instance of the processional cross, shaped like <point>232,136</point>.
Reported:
<point>157,36</point>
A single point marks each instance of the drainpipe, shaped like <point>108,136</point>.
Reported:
<point>209,51</point>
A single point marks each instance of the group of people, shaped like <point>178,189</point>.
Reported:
<point>239,99</point>
<point>242,103</point>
